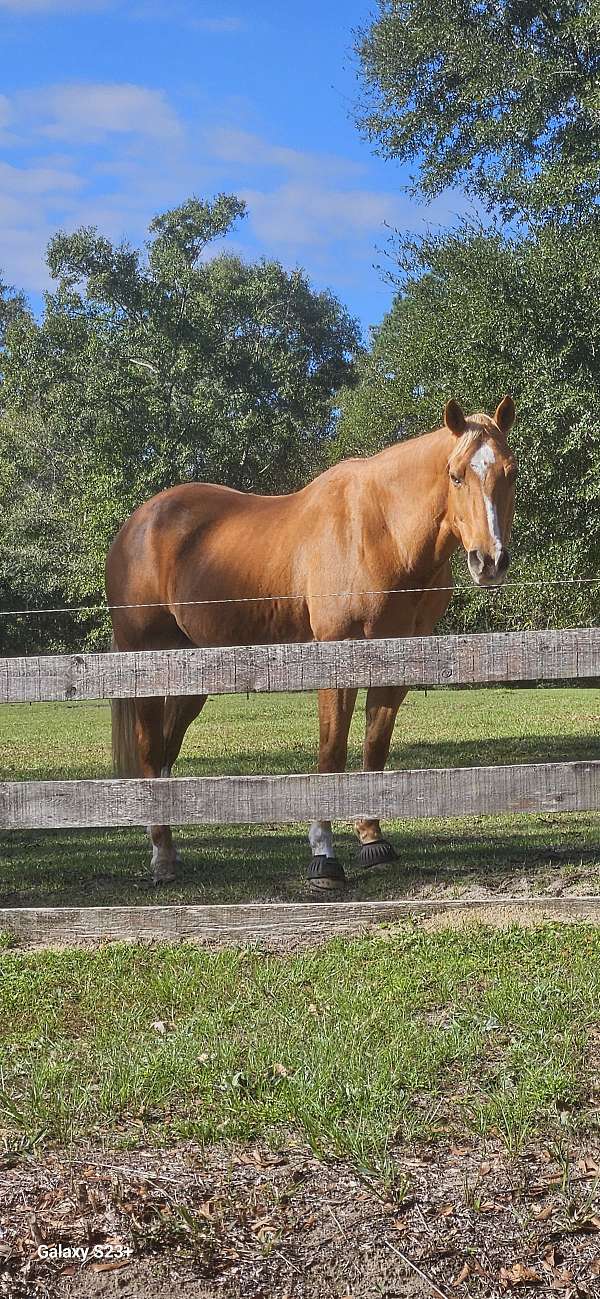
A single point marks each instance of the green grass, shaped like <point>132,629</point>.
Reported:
<point>277,733</point>
<point>354,1046</point>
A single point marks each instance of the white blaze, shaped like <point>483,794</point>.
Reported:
<point>492,518</point>
<point>483,458</point>
<point>480,463</point>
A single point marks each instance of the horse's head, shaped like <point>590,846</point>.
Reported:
<point>481,494</point>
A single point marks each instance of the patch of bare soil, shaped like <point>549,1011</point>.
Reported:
<point>501,915</point>
<point>545,870</point>
<point>457,1221</point>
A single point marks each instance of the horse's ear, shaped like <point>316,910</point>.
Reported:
<point>454,417</point>
<point>505,414</point>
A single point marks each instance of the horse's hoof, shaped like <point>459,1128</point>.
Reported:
<point>372,855</point>
<point>326,875</point>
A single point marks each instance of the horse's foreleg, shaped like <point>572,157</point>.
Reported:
<point>335,714</point>
<point>382,706</point>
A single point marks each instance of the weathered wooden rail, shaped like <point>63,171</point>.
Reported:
<point>550,656</point>
<point>411,661</point>
<point>260,800</point>
<point>272,924</point>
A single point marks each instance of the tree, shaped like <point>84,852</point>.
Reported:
<point>479,314</point>
<point>502,95</point>
<point>12,307</point>
<point>149,368</point>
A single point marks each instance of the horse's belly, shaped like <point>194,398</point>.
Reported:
<point>245,621</point>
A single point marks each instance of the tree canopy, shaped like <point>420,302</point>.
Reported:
<point>502,96</point>
<point>156,365</point>
<point>502,99</point>
<point>150,367</point>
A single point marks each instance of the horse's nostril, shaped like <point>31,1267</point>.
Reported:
<point>477,560</point>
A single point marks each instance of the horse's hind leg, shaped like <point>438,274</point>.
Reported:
<point>335,714</point>
<point>148,726</point>
<point>178,713</point>
<point>381,708</point>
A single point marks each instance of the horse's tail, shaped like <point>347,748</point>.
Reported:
<point>125,752</point>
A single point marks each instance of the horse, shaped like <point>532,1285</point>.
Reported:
<point>362,551</point>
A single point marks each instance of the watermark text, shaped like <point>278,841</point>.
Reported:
<point>84,1253</point>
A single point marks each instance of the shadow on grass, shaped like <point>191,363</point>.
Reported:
<point>301,758</point>
<point>258,863</point>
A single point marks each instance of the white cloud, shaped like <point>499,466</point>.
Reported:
<point>88,112</point>
<point>248,149</point>
<point>146,10</point>
<point>304,214</point>
<point>36,180</point>
<point>313,205</point>
<point>23,255</point>
<point>28,197</point>
<point>5,111</point>
<point>98,126</point>
<point>113,155</point>
<point>304,199</point>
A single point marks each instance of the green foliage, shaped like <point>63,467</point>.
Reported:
<point>12,308</point>
<point>479,314</point>
<point>149,369</point>
<point>501,94</point>
<point>40,548</point>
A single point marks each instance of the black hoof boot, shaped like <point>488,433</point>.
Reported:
<point>326,875</point>
<point>372,855</point>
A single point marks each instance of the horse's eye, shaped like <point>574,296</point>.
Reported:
<point>458,482</point>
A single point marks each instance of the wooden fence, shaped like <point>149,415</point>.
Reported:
<point>508,658</point>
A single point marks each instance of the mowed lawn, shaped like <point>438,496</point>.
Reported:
<point>278,733</point>
<point>355,1047</point>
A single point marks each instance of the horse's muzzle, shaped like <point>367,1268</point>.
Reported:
<point>486,570</point>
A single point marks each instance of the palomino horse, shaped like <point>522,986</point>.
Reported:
<point>381,530</point>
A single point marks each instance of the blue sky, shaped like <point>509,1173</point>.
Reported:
<point>113,111</point>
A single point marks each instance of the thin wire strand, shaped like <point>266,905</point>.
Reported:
<point>329,595</point>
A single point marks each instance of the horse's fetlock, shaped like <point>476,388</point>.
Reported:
<point>368,830</point>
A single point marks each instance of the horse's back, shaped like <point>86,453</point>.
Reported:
<point>202,552</point>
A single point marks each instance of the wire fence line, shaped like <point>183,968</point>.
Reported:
<point>328,595</point>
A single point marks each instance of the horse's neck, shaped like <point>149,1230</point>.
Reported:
<point>412,484</point>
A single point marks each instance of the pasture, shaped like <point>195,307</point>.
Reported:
<point>396,1089</point>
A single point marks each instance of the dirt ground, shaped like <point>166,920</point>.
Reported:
<point>450,1221</point>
